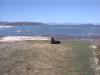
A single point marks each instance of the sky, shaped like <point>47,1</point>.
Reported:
<point>49,11</point>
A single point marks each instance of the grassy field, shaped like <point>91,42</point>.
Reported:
<point>97,51</point>
<point>43,58</point>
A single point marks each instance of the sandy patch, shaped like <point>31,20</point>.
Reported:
<point>21,38</point>
<point>5,27</point>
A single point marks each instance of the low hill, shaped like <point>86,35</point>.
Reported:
<point>21,23</point>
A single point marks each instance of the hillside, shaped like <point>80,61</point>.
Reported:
<point>21,23</point>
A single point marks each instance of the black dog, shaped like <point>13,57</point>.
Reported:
<point>54,41</point>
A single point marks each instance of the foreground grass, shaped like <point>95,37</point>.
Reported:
<point>42,58</point>
<point>97,51</point>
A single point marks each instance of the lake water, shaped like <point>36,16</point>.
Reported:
<point>52,30</point>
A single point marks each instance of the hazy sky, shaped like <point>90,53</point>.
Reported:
<point>84,11</point>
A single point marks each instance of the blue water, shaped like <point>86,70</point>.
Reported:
<point>52,30</point>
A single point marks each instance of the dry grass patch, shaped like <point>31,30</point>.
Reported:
<point>43,58</point>
<point>22,58</point>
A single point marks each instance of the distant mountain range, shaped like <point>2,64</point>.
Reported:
<point>21,23</point>
<point>40,23</point>
<point>72,24</point>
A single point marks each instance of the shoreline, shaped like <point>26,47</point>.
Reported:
<point>6,26</point>
<point>23,38</point>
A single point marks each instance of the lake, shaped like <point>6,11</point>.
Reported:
<point>52,30</point>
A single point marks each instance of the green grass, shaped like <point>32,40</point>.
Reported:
<point>43,58</point>
<point>82,59</point>
<point>98,52</point>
